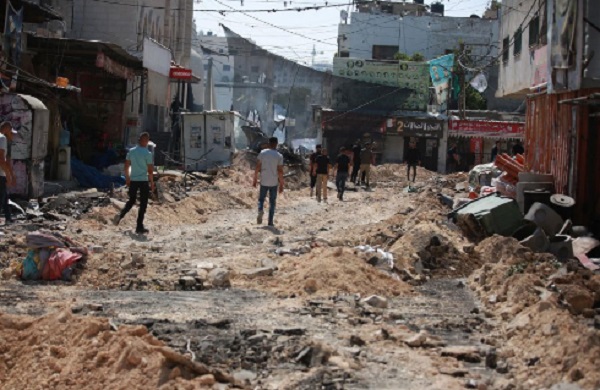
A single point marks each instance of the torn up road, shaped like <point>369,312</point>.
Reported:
<point>379,291</point>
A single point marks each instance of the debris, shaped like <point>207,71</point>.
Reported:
<point>464,353</point>
<point>417,340</point>
<point>258,272</point>
<point>219,277</point>
<point>376,301</point>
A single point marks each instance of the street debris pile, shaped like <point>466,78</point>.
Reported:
<point>50,256</point>
<point>253,355</point>
<point>549,310</point>
<point>61,350</point>
<point>330,271</point>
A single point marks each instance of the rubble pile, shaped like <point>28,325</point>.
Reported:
<point>549,311</point>
<point>64,351</point>
<point>328,271</point>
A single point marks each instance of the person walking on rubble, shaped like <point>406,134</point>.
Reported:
<point>413,158</point>
<point>366,159</point>
<point>270,167</point>
<point>356,149</point>
<point>7,176</point>
<point>313,178</point>
<point>322,167</point>
<point>342,167</point>
<point>139,179</point>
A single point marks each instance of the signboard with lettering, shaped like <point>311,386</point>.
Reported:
<point>178,73</point>
<point>496,129</point>
<point>401,74</point>
<point>409,127</point>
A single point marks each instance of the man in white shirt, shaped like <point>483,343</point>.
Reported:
<point>270,167</point>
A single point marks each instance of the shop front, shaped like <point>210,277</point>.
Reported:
<point>474,140</point>
<point>426,133</point>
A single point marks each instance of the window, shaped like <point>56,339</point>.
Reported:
<point>225,79</point>
<point>534,31</point>
<point>226,68</point>
<point>505,49</point>
<point>383,52</point>
<point>518,44</point>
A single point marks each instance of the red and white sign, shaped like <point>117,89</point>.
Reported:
<point>179,73</point>
<point>496,129</point>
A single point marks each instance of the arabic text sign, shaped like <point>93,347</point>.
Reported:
<point>487,128</point>
<point>402,74</point>
<point>419,128</point>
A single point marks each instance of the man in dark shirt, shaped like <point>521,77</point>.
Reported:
<point>355,161</point>
<point>321,170</point>
<point>518,148</point>
<point>313,178</point>
<point>366,159</point>
<point>452,159</point>
<point>342,167</point>
<point>495,151</point>
<point>413,158</point>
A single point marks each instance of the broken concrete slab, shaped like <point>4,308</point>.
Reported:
<point>376,301</point>
<point>461,352</point>
<point>219,277</point>
<point>258,272</point>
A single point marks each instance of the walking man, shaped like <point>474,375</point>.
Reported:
<point>270,167</point>
<point>141,178</point>
<point>7,176</point>
<point>518,148</point>
<point>342,166</point>
<point>413,158</point>
<point>366,159</point>
<point>322,167</point>
<point>356,149</point>
<point>313,178</point>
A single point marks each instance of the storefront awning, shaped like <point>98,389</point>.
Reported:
<point>486,129</point>
<point>119,61</point>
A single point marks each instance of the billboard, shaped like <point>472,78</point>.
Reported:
<point>400,74</point>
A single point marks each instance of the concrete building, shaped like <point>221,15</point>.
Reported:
<point>524,51</point>
<point>548,56</point>
<point>157,31</point>
<point>219,65</point>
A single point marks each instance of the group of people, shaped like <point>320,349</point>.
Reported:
<point>354,164</point>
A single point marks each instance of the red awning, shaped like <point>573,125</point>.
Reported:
<point>490,129</point>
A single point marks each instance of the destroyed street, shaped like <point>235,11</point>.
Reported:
<point>380,291</point>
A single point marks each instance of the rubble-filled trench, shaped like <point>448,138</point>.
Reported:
<point>211,300</point>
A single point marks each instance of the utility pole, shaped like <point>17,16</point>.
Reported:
<point>208,92</point>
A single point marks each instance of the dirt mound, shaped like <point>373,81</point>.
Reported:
<point>65,351</point>
<point>193,209</point>
<point>548,308</point>
<point>328,271</point>
<point>397,172</point>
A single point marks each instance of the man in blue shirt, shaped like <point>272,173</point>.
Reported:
<point>141,178</point>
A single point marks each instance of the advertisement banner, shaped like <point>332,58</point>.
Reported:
<point>401,74</point>
<point>440,70</point>
<point>467,128</point>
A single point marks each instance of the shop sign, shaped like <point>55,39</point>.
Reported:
<point>178,73</point>
<point>401,74</point>
<point>419,128</point>
<point>467,128</point>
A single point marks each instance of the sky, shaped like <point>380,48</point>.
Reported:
<point>292,34</point>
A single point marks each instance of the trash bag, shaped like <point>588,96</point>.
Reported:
<point>59,261</point>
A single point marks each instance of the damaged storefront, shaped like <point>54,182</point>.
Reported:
<point>475,139</point>
<point>425,132</point>
<point>347,128</point>
<point>91,122</point>
<point>563,135</point>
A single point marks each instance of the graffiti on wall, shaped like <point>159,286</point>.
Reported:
<point>14,110</point>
